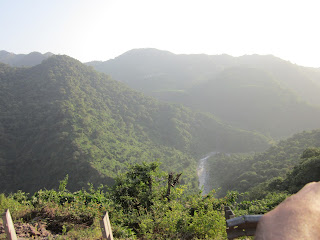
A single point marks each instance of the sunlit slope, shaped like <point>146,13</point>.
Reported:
<point>152,70</point>
<point>261,93</point>
<point>252,99</point>
<point>241,173</point>
<point>61,117</point>
<point>161,73</point>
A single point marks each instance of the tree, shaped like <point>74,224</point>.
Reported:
<point>140,186</point>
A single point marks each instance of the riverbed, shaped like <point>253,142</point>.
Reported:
<point>203,173</point>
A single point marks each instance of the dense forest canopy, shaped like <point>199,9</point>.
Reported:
<point>253,99</point>
<point>62,117</point>
<point>63,121</point>
<point>244,172</point>
<point>260,93</point>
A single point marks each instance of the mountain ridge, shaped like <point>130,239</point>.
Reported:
<point>292,76</point>
<point>61,117</point>
<point>23,60</point>
<point>196,81</point>
<point>256,172</point>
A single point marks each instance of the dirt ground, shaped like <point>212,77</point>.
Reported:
<point>29,231</point>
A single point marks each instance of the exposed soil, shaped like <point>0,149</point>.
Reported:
<point>45,224</point>
<point>30,231</point>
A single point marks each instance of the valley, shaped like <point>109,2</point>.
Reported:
<point>61,117</point>
<point>153,120</point>
<point>242,132</point>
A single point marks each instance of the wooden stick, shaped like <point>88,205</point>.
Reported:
<point>8,226</point>
<point>106,227</point>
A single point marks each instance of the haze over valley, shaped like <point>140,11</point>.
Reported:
<point>159,113</point>
<point>221,104</point>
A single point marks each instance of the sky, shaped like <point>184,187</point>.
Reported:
<point>103,29</point>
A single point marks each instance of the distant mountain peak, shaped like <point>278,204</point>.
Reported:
<point>146,52</point>
<point>62,117</point>
<point>23,60</point>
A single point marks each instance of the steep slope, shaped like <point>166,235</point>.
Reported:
<point>303,81</point>
<point>8,109</point>
<point>61,117</point>
<point>252,99</point>
<point>257,93</point>
<point>23,60</point>
<point>307,170</point>
<point>241,172</point>
<point>162,74</point>
<point>152,70</point>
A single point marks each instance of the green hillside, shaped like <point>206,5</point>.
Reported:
<point>303,81</point>
<point>161,73</point>
<point>253,99</point>
<point>152,70</point>
<point>307,170</point>
<point>61,117</point>
<point>259,93</point>
<point>242,172</point>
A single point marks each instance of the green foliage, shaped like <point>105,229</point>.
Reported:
<point>311,152</point>
<point>137,211</point>
<point>146,210</point>
<point>261,93</point>
<point>142,212</point>
<point>308,170</point>
<point>61,117</point>
<point>63,184</point>
<point>139,187</point>
<point>16,203</point>
<point>259,206</point>
<point>305,171</point>
<point>253,99</point>
<point>270,168</point>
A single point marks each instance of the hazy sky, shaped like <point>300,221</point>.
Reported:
<point>103,29</point>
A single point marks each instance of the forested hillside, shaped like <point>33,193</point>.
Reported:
<point>63,120</point>
<point>61,117</point>
<point>261,93</point>
<point>253,99</point>
<point>152,70</point>
<point>243,172</point>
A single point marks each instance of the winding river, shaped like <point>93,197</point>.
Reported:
<point>203,173</point>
